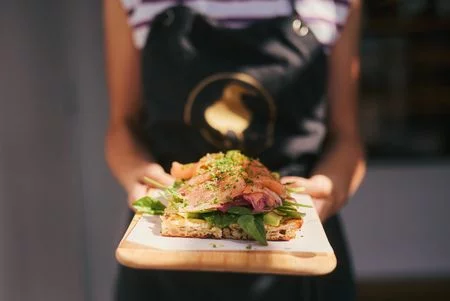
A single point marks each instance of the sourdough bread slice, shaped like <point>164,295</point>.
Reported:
<point>177,226</point>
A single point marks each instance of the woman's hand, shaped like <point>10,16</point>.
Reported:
<point>141,187</point>
<point>320,188</point>
<point>131,164</point>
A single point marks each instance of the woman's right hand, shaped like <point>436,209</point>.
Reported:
<point>139,187</point>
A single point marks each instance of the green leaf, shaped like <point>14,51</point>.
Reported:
<point>290,212</point>
<point>289,209</point>
<point>239,210</point>
<point>297,204</point>
<point>220,219</point>
<point>286,209</point>
<point>296,214</point>
<point>253,226</point>
<point>259,221</point>
<point>279,212</point>
<point>149,205</point>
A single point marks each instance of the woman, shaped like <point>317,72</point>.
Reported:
<point>292,142</point>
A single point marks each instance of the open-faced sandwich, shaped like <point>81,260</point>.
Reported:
<point>225,196</point>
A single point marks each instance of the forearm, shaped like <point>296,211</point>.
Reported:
<point>124,154</point>
<point>343,164</point>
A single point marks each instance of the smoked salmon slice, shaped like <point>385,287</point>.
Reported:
<point>220,181</point>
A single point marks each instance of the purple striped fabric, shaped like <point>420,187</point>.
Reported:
<point>326,18</point>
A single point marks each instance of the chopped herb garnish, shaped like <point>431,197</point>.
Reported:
<point>248,181</point>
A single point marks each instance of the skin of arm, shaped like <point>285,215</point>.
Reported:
<point>341,169</point>
<point>126,157</point>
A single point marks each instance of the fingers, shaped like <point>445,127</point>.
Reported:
<point>156,173</point>
<point>165,179</point>
<point>322,186</point>
<point>318,186</point>
<point>139,191</point>
<point>149,178</point>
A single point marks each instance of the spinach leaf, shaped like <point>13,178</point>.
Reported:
<point>239,210</point>
<point>253,226</point>
<point>220,219</point>
<point>149,205</point>
<point>259,221</point>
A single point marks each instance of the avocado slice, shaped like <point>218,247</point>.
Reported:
<point>189,214</point>
<point>272,219</point>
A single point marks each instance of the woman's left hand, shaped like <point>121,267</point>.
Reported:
<point>320,188</point>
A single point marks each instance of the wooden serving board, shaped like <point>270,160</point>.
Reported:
<point>142,247</point>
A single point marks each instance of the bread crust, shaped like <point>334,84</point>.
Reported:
<point>176,226</point>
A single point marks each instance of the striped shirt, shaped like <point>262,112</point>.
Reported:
<point>325,18</point>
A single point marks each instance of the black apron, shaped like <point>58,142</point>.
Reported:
<point>259,89</point>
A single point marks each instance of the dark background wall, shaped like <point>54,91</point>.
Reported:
<point>61,213</point>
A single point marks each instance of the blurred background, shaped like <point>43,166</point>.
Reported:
<point>62,214</point>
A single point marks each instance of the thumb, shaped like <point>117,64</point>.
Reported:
<point>138,191</point>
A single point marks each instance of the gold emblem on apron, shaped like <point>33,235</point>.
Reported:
<point>232,110</point>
